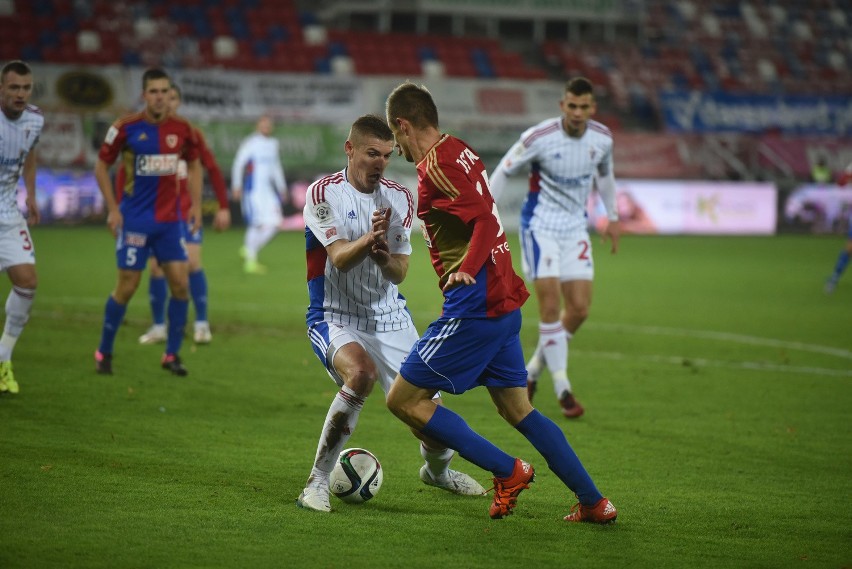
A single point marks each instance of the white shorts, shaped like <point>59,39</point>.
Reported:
<point>566,258</point>
<point>16,245</point>
<point>262,207</point>
<point>388,349</point>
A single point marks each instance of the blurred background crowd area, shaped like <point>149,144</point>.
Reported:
<point>723,90</point>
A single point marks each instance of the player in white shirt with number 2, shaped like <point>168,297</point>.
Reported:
<point>565,157</point>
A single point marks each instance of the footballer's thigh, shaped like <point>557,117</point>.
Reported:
<point>23,275</point>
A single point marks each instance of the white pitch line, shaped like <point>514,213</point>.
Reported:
<point>727,337</point>
<point>701,362</point>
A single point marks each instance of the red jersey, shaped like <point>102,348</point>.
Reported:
<point>208,162</point>
<point>150,157</point>
<point>464,233</point>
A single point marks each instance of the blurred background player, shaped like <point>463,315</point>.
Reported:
<point>475,342</point>
<point>565,156</point>
<point>20,127</point>
<point>842,260</point>
<point>358,243</point>
<point>149,220</point>
<point>157,287</point>
<point>257,180</point>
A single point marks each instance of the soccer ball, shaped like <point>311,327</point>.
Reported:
<point>357,476</point>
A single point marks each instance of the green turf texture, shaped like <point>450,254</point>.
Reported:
<point>715,373</point>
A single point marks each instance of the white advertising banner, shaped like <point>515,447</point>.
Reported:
<point>674,207</point>
<point>322,99</point>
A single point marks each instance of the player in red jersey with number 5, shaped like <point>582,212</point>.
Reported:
<point>476,341</point>
<point>150,144</point>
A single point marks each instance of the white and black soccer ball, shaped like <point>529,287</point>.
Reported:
<point>357,476</point>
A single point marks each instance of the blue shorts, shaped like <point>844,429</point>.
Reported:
<point>458,354</point>
<point>166,241</point>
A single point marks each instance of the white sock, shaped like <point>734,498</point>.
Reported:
<point>553,345</point>
<point>535,365</point>
<point>561,383</point>
<point>18,306</point>
<point>339,423</point>
<point>257,237</point>
<point>437,460</point>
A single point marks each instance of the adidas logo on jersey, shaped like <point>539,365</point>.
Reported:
<point>351,214</point>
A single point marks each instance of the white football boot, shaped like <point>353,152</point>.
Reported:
<point>202,333</point>
<point>453,481</point>
<point>314,498</point>
<point>156,334</point>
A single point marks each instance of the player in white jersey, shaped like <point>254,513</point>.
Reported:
<point>565,156</point>
<point>257,179</point>
<point>20,127</point>
<point>358,243</point>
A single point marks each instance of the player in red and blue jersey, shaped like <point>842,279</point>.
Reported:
<point>150,145</point>
<point>476,340</point>
<point>158,291</point>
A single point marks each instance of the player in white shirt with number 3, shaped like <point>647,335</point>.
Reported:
<point>20,127</point>
<point>565,156</point>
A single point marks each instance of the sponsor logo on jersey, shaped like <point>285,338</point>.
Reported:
<point>322,211</point>
<point>111,134</point>
<point>329,233</point>
<point>157,164</point>
<point>135,239</point>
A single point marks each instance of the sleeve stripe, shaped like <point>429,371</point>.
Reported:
<point>407,193</point>
<point>320,185</point>
<point>433,170</point>
<point>541,132</point>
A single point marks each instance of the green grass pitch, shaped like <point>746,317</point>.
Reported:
<point>716,376</point>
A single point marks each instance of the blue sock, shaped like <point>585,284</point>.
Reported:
<point>113,316</point>
<point>157,293</point>
<point>451,430</point>
<point>178,311</point>
<point>550,441</point>
<point>842,261</point>
<point>198,290</point>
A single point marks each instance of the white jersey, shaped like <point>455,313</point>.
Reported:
<point>562,172</point>
<point>257,170</point>
<point>17,139</point>
<point>361,297</point>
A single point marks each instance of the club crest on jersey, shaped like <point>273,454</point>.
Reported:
<point>171,140</point>
<point>322,210</point>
